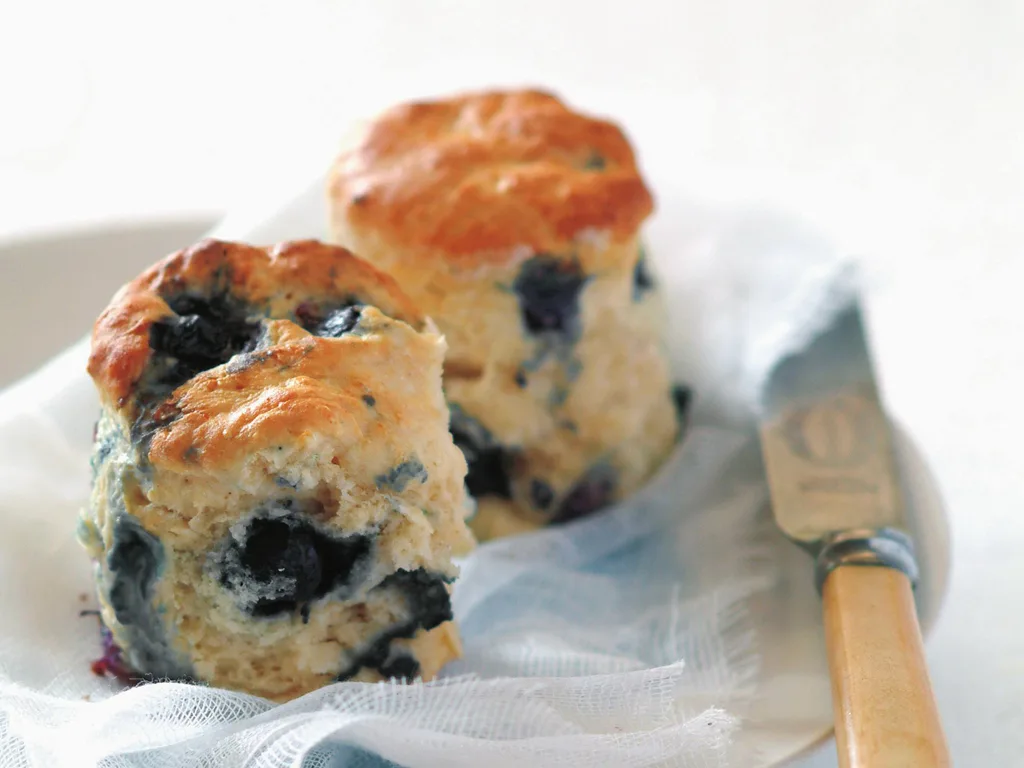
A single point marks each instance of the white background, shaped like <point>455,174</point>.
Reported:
<point>896,126</point>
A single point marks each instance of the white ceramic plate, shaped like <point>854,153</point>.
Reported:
<point>53,286</point>
<point>62,280</point>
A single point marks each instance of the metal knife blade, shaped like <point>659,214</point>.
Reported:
<point>828,451</point>
<point>834,486</point>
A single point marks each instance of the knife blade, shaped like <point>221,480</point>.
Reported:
<point>834,486</point>
<point>827,446</point>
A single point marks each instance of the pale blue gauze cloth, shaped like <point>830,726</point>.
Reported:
<point>627,639</point>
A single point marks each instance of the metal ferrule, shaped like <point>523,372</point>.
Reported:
<point>886,547</point>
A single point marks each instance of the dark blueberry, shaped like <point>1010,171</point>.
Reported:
<point>206,332</point>
<point>548,290</point>
<point>222,320</point>
<point>487,473</point>
<point>596,489</point>
<point>102,449</point>
<point>134,563</point>
<point>197,304</point>
<point>275,551</point>
<point>152,417</point>
<point>488,463</point>
<point>426,596</point>
<point>594,162</point>
<point>339,323</point>
<point>273,547</point>
<point>520,378</point>
<point>682,396</point>
<point>192,338</point>
<point>400,475</point>
<point>308,315</point>
<point>427,605</point>
<point>112,663</point>
<point>287,563</point>
<point>332,322</point>
<point>541,494</point>
<point>402,666</point>
<point>343,561</point>
<point>642,280</point>
<point>370,400</point>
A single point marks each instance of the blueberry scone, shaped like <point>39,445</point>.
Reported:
<point>277,498</point>
<point>514,222</point>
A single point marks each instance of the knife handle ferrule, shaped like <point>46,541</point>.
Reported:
<point>885,547</point>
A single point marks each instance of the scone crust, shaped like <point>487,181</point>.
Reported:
<point>484,176</point>
<point>120,340</point>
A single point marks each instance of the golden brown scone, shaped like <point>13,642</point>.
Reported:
<point>277,498</point>
<point>513,222</point>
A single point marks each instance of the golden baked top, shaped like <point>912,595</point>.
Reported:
<point>207,302</point>
<point>479,174</point>
<point>224,349</point>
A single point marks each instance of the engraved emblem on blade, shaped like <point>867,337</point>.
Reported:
<point>835,434</point>
<point>828,465</point>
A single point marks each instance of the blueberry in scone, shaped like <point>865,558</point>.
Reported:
<point>642,279</point>
<point>514,222</point>
<point>488,465</point>
<point>277,498</point>
<point>549,291</point>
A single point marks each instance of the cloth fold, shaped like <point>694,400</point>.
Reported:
<point>626,639</point>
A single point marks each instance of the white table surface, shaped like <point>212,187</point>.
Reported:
<point>897,128</point>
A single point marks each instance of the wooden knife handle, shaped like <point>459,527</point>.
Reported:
<point>885,711</point>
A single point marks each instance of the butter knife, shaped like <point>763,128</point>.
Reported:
<point>834,489</point>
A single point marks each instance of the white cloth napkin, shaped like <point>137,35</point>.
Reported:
<point>621,640</point>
